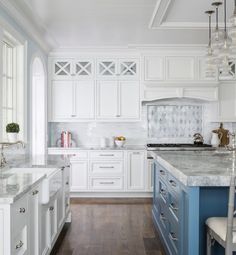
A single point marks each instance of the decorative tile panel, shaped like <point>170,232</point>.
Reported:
<point>174,121</point>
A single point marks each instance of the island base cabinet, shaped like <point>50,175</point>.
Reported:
<point>44,235</point>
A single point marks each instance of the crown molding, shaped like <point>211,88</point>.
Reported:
<point>29,22</point>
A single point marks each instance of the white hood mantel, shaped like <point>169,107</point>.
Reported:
<point>209,93</point>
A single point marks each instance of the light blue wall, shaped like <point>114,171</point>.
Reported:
<point>33,48</point>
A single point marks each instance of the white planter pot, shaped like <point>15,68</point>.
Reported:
<point>12,137</point>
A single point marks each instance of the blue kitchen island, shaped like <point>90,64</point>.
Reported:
<point>189,187</point>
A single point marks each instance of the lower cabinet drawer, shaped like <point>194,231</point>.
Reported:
<point>19,242</point>
<point>106,168</point>
<point>97,183</point>
<point>107,155</point>
<point>173,236</point>
<point>19,214</point>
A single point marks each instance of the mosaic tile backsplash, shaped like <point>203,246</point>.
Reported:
<point>174,121</point>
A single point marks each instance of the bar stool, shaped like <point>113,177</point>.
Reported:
<point>223,229</point>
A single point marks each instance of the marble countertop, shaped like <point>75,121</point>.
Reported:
<point>14,185</point>
<point>197,168</point>
<point>125,147</point>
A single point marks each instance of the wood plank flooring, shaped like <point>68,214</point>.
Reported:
<point>109,229</point>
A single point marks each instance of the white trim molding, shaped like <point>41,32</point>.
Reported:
<point>160,13</point>
<point>32,25</point>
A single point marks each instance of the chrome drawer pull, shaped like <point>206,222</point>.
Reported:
<point>162,172</point>
<point>22,210</point>
<point>173,183</point>
<point>106,167</point>
<point>173,236</point>
<point>173,207</point>
<point>67,183</point>
<point>107,182</point>
<point>19,245</point>
<point>35,192</point>
<point>163,192</point>
<point>162,217</point>
<point>106,155</point>
<point>51,208</point>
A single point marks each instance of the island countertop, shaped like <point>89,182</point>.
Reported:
<point>197,168</point>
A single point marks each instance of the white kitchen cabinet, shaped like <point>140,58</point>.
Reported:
<point>154,68</point>
<point>62,100</point>
<point>129,100</point>
<point>107,100</point>
<point>227,102</point>
<point>45,228</point>
<point>136,170</point>
<point>72,100</point>
<point>84,100</point>
<point>60,208</point>
<point>117,68</point>
<point>79,175</point>
<point>35,220</point>
<point>83,69</point>
<point>150,175</point>
<point>118,100</point>
<point>62,69</point>
<point>53,220</point>
<point>180,68</point>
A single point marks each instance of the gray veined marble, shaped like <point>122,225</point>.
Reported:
<point>197,168</point>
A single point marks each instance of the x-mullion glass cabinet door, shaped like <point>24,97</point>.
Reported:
<point>107,69</point>
<point>128,69</point>
<point>83,69</point>
<point>62,69</point>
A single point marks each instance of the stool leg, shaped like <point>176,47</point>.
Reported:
<point>208,243</point>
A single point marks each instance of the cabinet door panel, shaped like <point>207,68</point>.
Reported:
<point>108,99</point>
<point>107,69</point>
<point>128,69</point>
<point>154,68</point>
<point>79,176</point>
<point>180,68</point>
<point>129,100</point>
<point>62,99</point>
<point>136,166</point>
<point>62,69</point>
<point>84,100</point>
<point>45,230</point>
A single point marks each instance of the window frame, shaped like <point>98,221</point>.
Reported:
<point>20,48</point>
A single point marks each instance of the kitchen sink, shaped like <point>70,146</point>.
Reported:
<point>50,184</point>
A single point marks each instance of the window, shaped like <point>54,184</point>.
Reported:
<point>8,86</point>
<point>12,101</point>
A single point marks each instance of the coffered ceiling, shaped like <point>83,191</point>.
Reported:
<point>88,23</point>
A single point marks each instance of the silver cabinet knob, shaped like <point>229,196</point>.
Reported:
<point>51,208</point>
<point>19,245</point>
<point>22,210</point>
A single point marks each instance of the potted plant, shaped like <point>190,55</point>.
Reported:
<point>12,130</point>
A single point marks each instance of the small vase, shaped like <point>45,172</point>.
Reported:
<point>12,137</point>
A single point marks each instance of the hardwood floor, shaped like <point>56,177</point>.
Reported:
<point>109,229</point>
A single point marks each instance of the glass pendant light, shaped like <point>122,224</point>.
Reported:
<point>225,51</point>
<point>232,30</point>
<point>210,57</point>
<point>217,34</point>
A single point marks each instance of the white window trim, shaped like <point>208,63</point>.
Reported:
<point>5,32</point>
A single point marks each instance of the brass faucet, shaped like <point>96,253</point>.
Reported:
<point>3,145</point>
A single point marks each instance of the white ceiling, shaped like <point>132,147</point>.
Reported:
<point>78,23</point>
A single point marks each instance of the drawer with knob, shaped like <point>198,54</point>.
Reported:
<point>19,213</point>
<point>106,155</point>
<point>113,183</point>
<point>173,183</point>
<point>163,191</point>
<point>106,168</point>
<point>19,242</point>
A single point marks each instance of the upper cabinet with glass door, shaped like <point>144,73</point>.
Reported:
<point>126,69</point>
<point>64,69</point>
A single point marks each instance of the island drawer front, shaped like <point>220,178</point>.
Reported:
<point>173,237</point>
<point>174,205</point>
<point>162,172</point>
<point>19,214</point>
<point>163,191</point>
<point>106,168</point>
<point>113,183</point>
<point>163,216</point>
<point>173,183</point>
<point>19,242</point>
<point>106,155</point>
